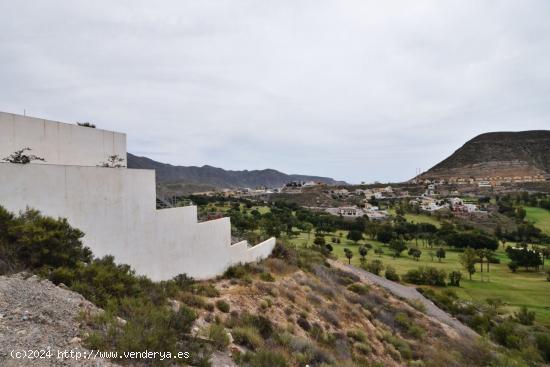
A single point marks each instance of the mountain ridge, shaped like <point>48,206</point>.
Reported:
<point>219,177</point>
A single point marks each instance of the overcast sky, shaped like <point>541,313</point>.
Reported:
<point>355,90</point>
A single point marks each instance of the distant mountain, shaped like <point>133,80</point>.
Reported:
<point>218,177</point>
<point>504,154</point>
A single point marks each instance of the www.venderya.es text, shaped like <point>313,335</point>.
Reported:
<point>77,354</point>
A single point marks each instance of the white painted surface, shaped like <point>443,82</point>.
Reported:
<point>114,207</point>
<point>57,142</point>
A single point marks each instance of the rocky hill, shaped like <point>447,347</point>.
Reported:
<point>37,315</point>
<point>504,154</point>
<point>219,178</point>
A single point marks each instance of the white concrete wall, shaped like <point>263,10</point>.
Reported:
<point>115,208</point>
<point>57,142</point>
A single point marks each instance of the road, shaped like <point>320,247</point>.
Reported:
<point>409,293</point>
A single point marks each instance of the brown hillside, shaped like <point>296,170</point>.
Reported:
<point>506,154</point>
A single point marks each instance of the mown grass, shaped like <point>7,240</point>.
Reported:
<point>523,288</point>
<point>419,218</point>
<point>539,217</point>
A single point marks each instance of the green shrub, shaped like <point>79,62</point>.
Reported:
<point>506,334</point>
<point>222,305</point>
<point>359,288</point>
<point>417,305</point>
<point>183,282</point>
<point>264,358</point>
<point>33,241</point>
<point>206,290</point>
<point>218,335</point>
<point>363,348</point>
<point>303,323</point>
<point>192,300</point>
<point>248,337</point>
<point>454,278</point>
<point>543,345</point>
<point>357,335</point>
<point>524,316</point>
<point>375,267</point>
<point>147,327</point>
<point>391,274</point>
<point>406,324</point>
<point>103,281</point>
<point>267,277</point>
<point>239,271</point>
<point>401,345</point>
<point>426,275</point>
<point>260,323</point>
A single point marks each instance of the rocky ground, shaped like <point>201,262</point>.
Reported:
<point>37,315</point>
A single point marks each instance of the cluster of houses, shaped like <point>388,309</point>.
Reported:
<point>489,181</point>
<point>375,192</point>
<point>456,205</point>
<point>370,211</point>
<point>245,192</point>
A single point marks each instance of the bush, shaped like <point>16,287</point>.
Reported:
<point>218,335</point>
<point>401,345</point>
<point>357,335</point>
<point>264,358</point>
<point>513,266</point>
<point>267,277</point>
<point>359,288</point>
<point>405,323</point>
<point>524,316</point>
<point>329,316</point>
<point>257,322</point>
<point>247,337</point>
<point>304,324</point>
<point>147,327</point>
<point>363,348</point>
<point>192,300</point>
<point>391,274</point>
<point>102,281</point>
<point>375,267</point>
<point>426,275</point>
<point>33,241</point>
<point>207,290</point>
<point>454,278</point>
<point>223,306</point>
<point>506,334</point>
<point>239,271</point>
<point>543,344</point>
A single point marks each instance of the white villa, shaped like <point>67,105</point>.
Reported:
<point>114,207</point>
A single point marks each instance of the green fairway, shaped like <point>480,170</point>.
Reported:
<point>539,217</point>
<point>516,289</point>
<point>419,218</point>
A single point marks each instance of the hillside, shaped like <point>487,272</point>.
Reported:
<point>505,154</point>
<point>36,314</point>
<point>323,316</point>
<point>217,177</point>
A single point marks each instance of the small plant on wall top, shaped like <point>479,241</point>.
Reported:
<point>114,161</point>
<point>19,157</point>
<point>86,124</point>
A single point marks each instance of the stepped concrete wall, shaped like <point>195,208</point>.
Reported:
<point>115,208</point>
